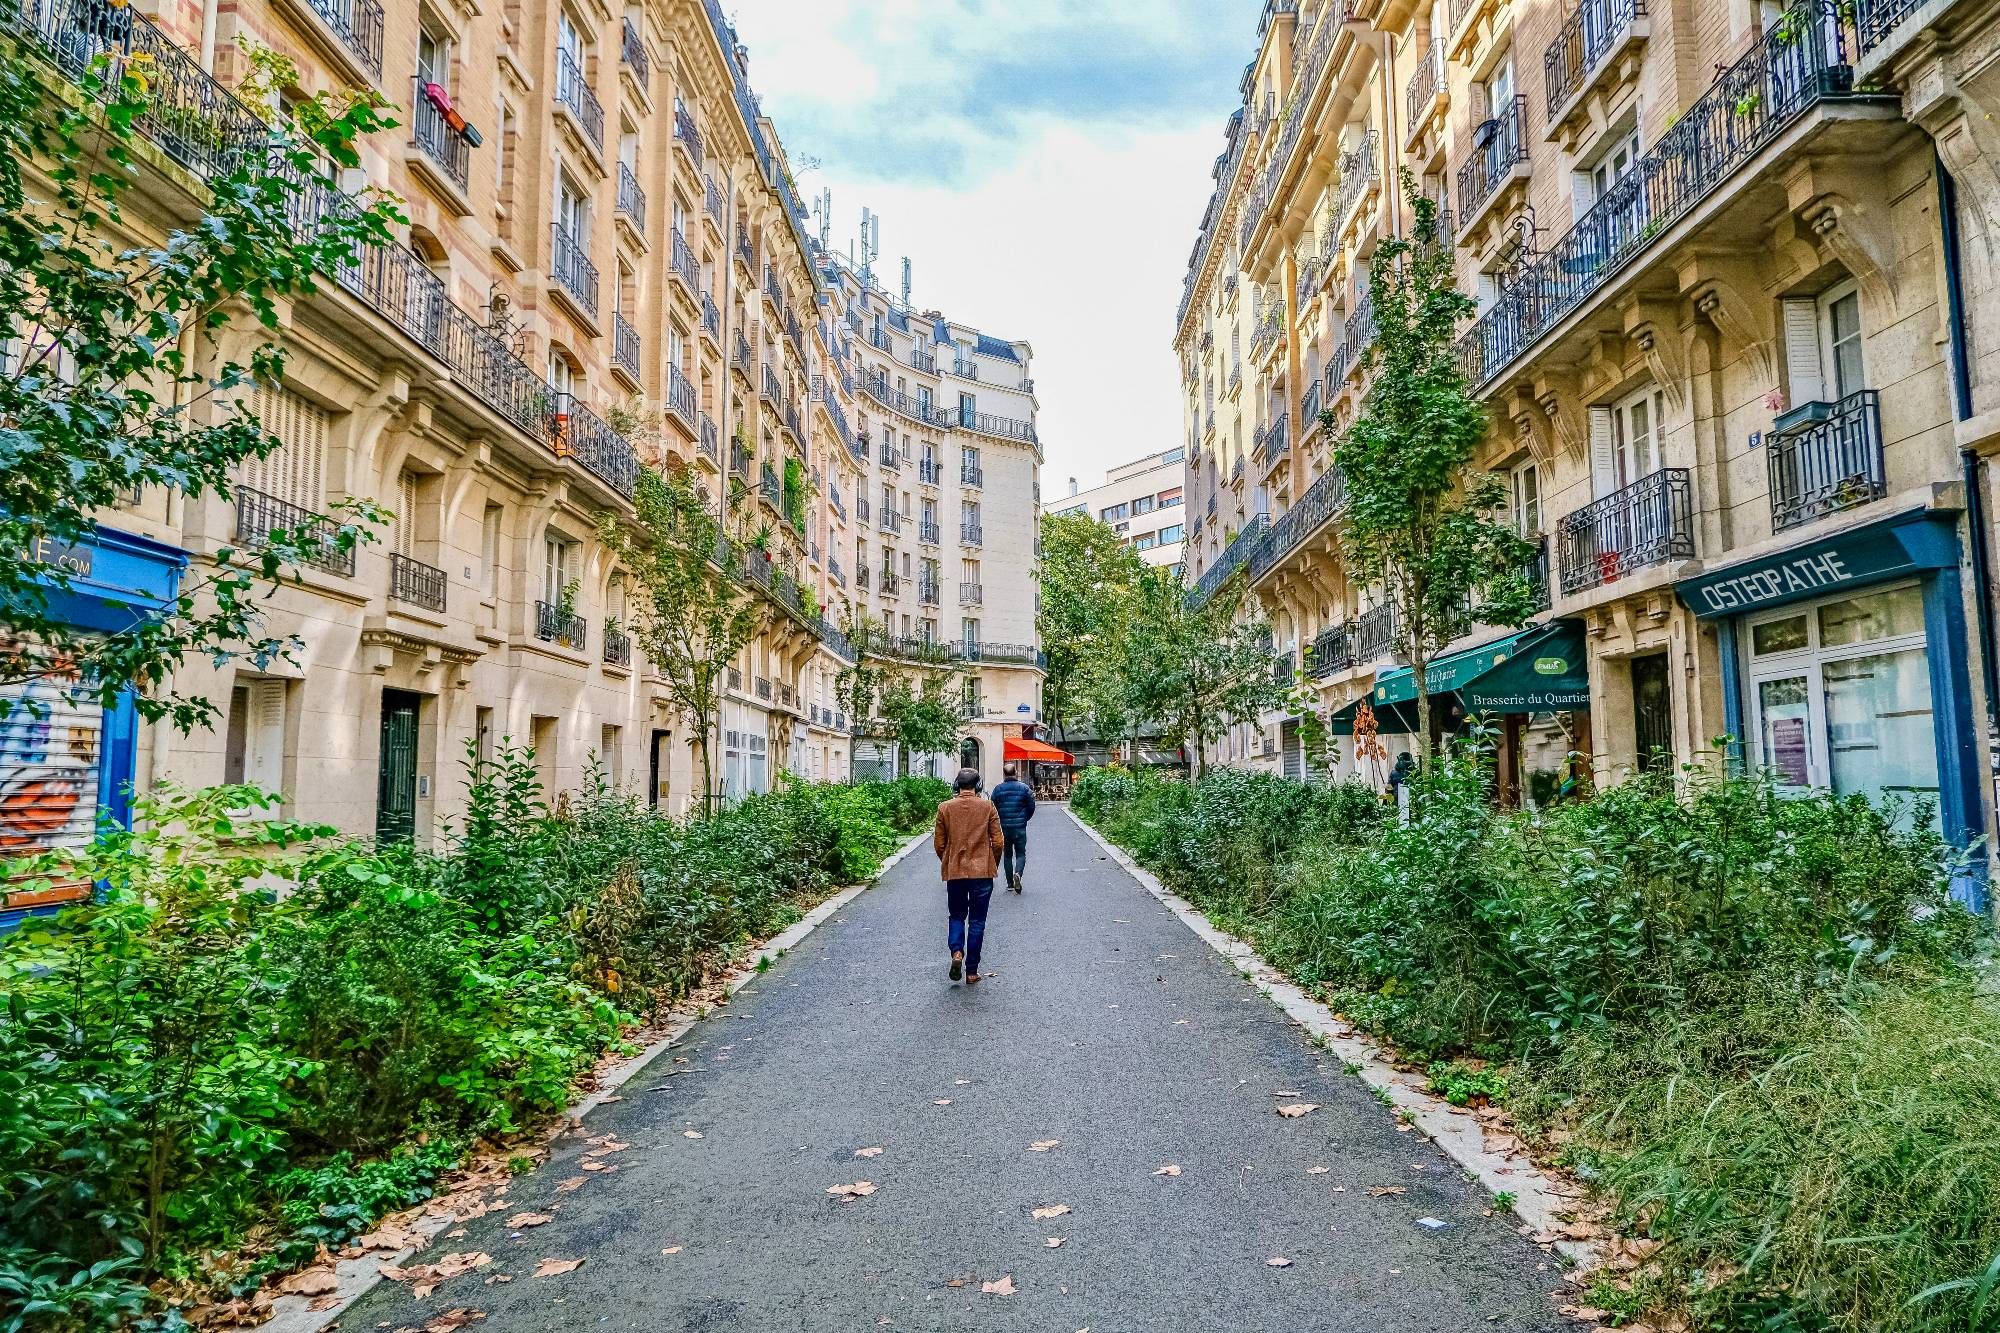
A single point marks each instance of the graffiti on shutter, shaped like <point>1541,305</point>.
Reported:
<point>50,748</point>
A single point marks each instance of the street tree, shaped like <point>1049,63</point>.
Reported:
<point>111,381</point>
<point>1090,585</point>
<point>908,691</point>
<point>689,618</point>
<point>1198,667</point>
<point>1422,524</point>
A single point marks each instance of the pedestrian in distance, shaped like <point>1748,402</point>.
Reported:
<point>967,839</point>
<point>1015,800</point>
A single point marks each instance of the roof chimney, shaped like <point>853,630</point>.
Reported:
<point>1072,485</point>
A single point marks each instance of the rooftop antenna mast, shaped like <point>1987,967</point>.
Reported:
<point>906,280</point>
<point>824,207</point>
<point>871,241</point>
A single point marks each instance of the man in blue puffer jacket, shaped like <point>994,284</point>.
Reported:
<point>1015,801</point>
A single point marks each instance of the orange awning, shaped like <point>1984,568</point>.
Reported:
<point>1036,752</point>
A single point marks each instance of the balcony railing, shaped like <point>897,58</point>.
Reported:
<point>1799,61</point>
<point>617,648</point>
<point>438,141</point>
<point>1831,463</point>
<point>711,318</point>
<point>716,204</point>
<point>1323,499</point>
<point>1007,428</point>
<point>739,355</point>
<point>574,95</point>
<point>577,432</point>
<point>1648,522</point>
<point>971,534</point>
<point>555,625</point>
<point>681,397</point>
<point>1309,409</point>
<point>924,361</point>
<point>772,389</point>
<point>1498,146</point>
<point>685,267</point>
<point>631,199</point>
<point>971,474</point>
<point>927,532</point>
<point>258,516</point>
<point>889,584</point>
<point>1277,440</point>
<point>1234,556</point>
<point>966,370</point>
<point>889,520</point>
<point>971,594</point>
<point>1375,632</point>
<point>739,462</point>
<point>1360,167</point>
<point>929,413</point>
<point>711,447</point>
<point>929,472</point>
<point>771,487</point>
<point>686,134</point>
<point>358,25</point>
<point>570,263</point>
<point>633,51</point>
<point>624,345</point>
<point>927,591</point>
<point>1422,89</point>
<point>1874,20</point>
<point>1331,651</point>
<point>1586,36</point>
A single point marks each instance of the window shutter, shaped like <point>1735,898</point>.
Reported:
<point>1804,382</point>
<point>406,513</point>
<point>1603,463</point>
<point>293,471</point>
<point>265,766</point>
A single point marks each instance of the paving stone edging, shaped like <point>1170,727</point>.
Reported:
<point>358,1276</point>
<point>1458,1134</point>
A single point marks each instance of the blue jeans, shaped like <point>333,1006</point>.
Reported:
<point>1014,852</point>
<point>966,901</point>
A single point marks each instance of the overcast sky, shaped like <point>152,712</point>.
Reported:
<point>1043,163</point>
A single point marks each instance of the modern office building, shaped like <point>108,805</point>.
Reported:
<point>1735,332</point>
<point>605,268</point>
<point>1141,502</point>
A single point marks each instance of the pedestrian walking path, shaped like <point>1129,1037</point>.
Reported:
<point>1112,1074</point>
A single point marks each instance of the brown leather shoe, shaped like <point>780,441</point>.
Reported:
<point>957,965</point>
<point>972,978</point>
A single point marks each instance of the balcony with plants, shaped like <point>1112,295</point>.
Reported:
<point>1647,523</point>
<point>1825,457</point>
<point>444,153</point>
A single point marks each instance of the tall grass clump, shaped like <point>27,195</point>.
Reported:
<point>1754,1020</point>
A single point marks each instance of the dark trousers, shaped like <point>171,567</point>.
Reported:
<point>966,900</point>
<point>1014,852</point>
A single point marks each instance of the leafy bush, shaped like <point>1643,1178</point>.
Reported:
<point>1752,1016</point>
<point>252,1016</point>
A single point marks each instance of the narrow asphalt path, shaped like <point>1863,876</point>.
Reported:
<point>1104,1024</point>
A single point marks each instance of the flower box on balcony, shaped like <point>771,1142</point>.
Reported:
<point>1801,417</point>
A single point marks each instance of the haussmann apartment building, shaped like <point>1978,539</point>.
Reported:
<point>606,268</point>
<point>1738,341</point>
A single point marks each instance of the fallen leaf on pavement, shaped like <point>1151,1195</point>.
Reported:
<point>519,1220</point>
<point>1287,1094</point>
<point>671,1249</point>
<point>452,1319</point>
<point>1043,1145</point>
<point>499,1277</point>
<point>1278,1261</point>
<point>1004,1287</point>
<point>565,1186</point>
<point>316,1281</point>
<point>1292,1110</point>
<point>867,1152</point>
<point>1053,1210</point>
<point>1318,1170</point>
<point>961,1083</point>
<point>860,1189</point>
<point>1053,1243</point>
<point>557,1267</point>
<point>690,1133</point>
<point>1170,1169</point>
<point>384,1238</point>
<point>1377,1191</point>
<point>597,1166</point>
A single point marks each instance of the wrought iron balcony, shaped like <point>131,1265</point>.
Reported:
<point>633,51</point>
<point>1326,497</point>
<point>1234,556</point>
<point>1309,409</point>
<point>928,471</point>
<point>1425,81</point>
<point>1016,654</point>
<point>260,516</point>
<point>684,266</point>
<point>711,319</point>
<point>1875,20</point>
<point>681,398</point>
<point>773,391</point>
<point>739,461</point>
<point>1830,461</point>
<point>617,648</point>
<point>966,370</point>
<point>631,199</point>
<point>924,361</point>
<point>579,433</point>
<point>927,532</point>
<point>716,204</point>
<point>710,442</point>
<point>1498,146</point>
<point>574,95</point>
<point>888,455</point>
<point>1277,439</point>
<point>437,140</point>
<point>971,594</point>
<point>971,474</point>
<point>1799,62</point>
<point>1646,523</point>
<point>1331,651</point>
<point>889,585</point>
<point>889,520</point>
<point>555,625</point>
<point>1375,632</point>
<point>739,355</point>
<point>570,264</point>
<point>971,534</point>
<point>985,423</point>
<point>358,25</point>
<point>1361,328</point>
<point>1586,36</point>
<point>931,414</point>
<point>624,345</point>
<point>686,136</point>
<point>927,591</point>
<point>770,487</point>
<point>1360,167</point>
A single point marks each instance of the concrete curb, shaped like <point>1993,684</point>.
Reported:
<point>1537,1201</point>
<point>356,1277</point>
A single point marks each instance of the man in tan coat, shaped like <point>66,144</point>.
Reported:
<point>968,841</point>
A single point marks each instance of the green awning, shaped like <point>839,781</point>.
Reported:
<point>1535,670</point>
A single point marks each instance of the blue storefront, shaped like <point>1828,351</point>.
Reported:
<point>1845,666</point>
<point>67,762</point>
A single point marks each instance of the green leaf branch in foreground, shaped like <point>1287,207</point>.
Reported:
<point>112,381</point>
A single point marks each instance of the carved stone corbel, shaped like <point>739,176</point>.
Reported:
<point>1864,242</point>
<point>1664,347</point>
<point>1531,430</point>
<point>1562,407</point>
<point>1751,326</point>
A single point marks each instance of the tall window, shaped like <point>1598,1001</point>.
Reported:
<point>1634,444</point>
<point>1526,484</point>
<point>433,56</point>
<point>293,472</point>
<point>572,208</point>
<point>562,559</point>
<point>1840,330</point>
